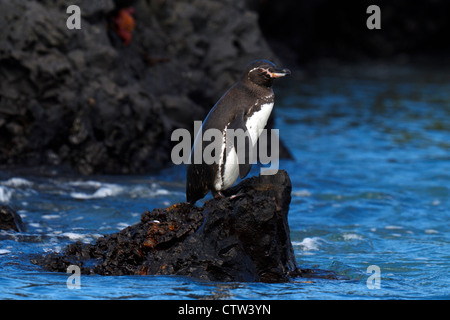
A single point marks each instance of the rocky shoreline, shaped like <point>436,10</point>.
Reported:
<point>241,237</point>
<point>85,99</point>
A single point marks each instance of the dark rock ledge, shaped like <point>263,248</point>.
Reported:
<point>237,238</point>
<point>10,219</point>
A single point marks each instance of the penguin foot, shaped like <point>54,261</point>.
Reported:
<point>218,195</point>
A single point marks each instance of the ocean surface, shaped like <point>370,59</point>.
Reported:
<point>370,198</point>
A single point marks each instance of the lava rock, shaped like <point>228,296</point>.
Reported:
<point>241,237</point>
<point>10,220</point>
<point>83,98</point>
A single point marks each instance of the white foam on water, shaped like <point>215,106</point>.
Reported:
<point>5,194</point>
<point>89,183</point>
<point>73,235</point>
<point>96,190</point>
<point>4,251</point>
<point>436,202</point>
<point>106,190</point>
<point>309,244</point>
<point>393,227</point>
<point>301,193</point>
<point>80,236</point>
<point>153,191</point>
<point>17,182</point>
<point>161,192</point>
<point>50,216</point>
<point>352,236</point>
<point>122,225</point>
<point>34,225</point>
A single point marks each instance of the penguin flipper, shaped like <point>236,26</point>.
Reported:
<point>196,187</point>
<point>242,146</point>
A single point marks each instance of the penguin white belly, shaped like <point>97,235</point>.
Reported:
<point>255,124</point>
<point>258,120</point>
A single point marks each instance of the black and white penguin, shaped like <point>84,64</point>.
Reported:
<point>247,105</point>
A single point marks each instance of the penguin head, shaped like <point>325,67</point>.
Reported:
<point>262,72</point>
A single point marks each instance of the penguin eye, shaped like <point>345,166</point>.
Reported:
<point>264,71</point>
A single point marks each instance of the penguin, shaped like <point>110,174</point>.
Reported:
<point>247,105</point>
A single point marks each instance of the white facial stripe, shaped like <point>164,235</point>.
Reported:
<point>266,70</point>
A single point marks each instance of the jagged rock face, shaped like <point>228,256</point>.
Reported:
<point>240,238</point>
<point>10,220</point>
<point>81,97</point>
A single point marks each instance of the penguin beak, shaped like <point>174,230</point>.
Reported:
<point>280,73</point>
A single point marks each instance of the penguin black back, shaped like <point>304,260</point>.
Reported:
<point>246,105</point>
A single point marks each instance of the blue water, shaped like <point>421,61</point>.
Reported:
<point>371,186</point>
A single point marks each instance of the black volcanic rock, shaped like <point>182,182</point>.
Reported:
<point>81,97</point>
<point>244,237</point>
<point>10,220</point>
